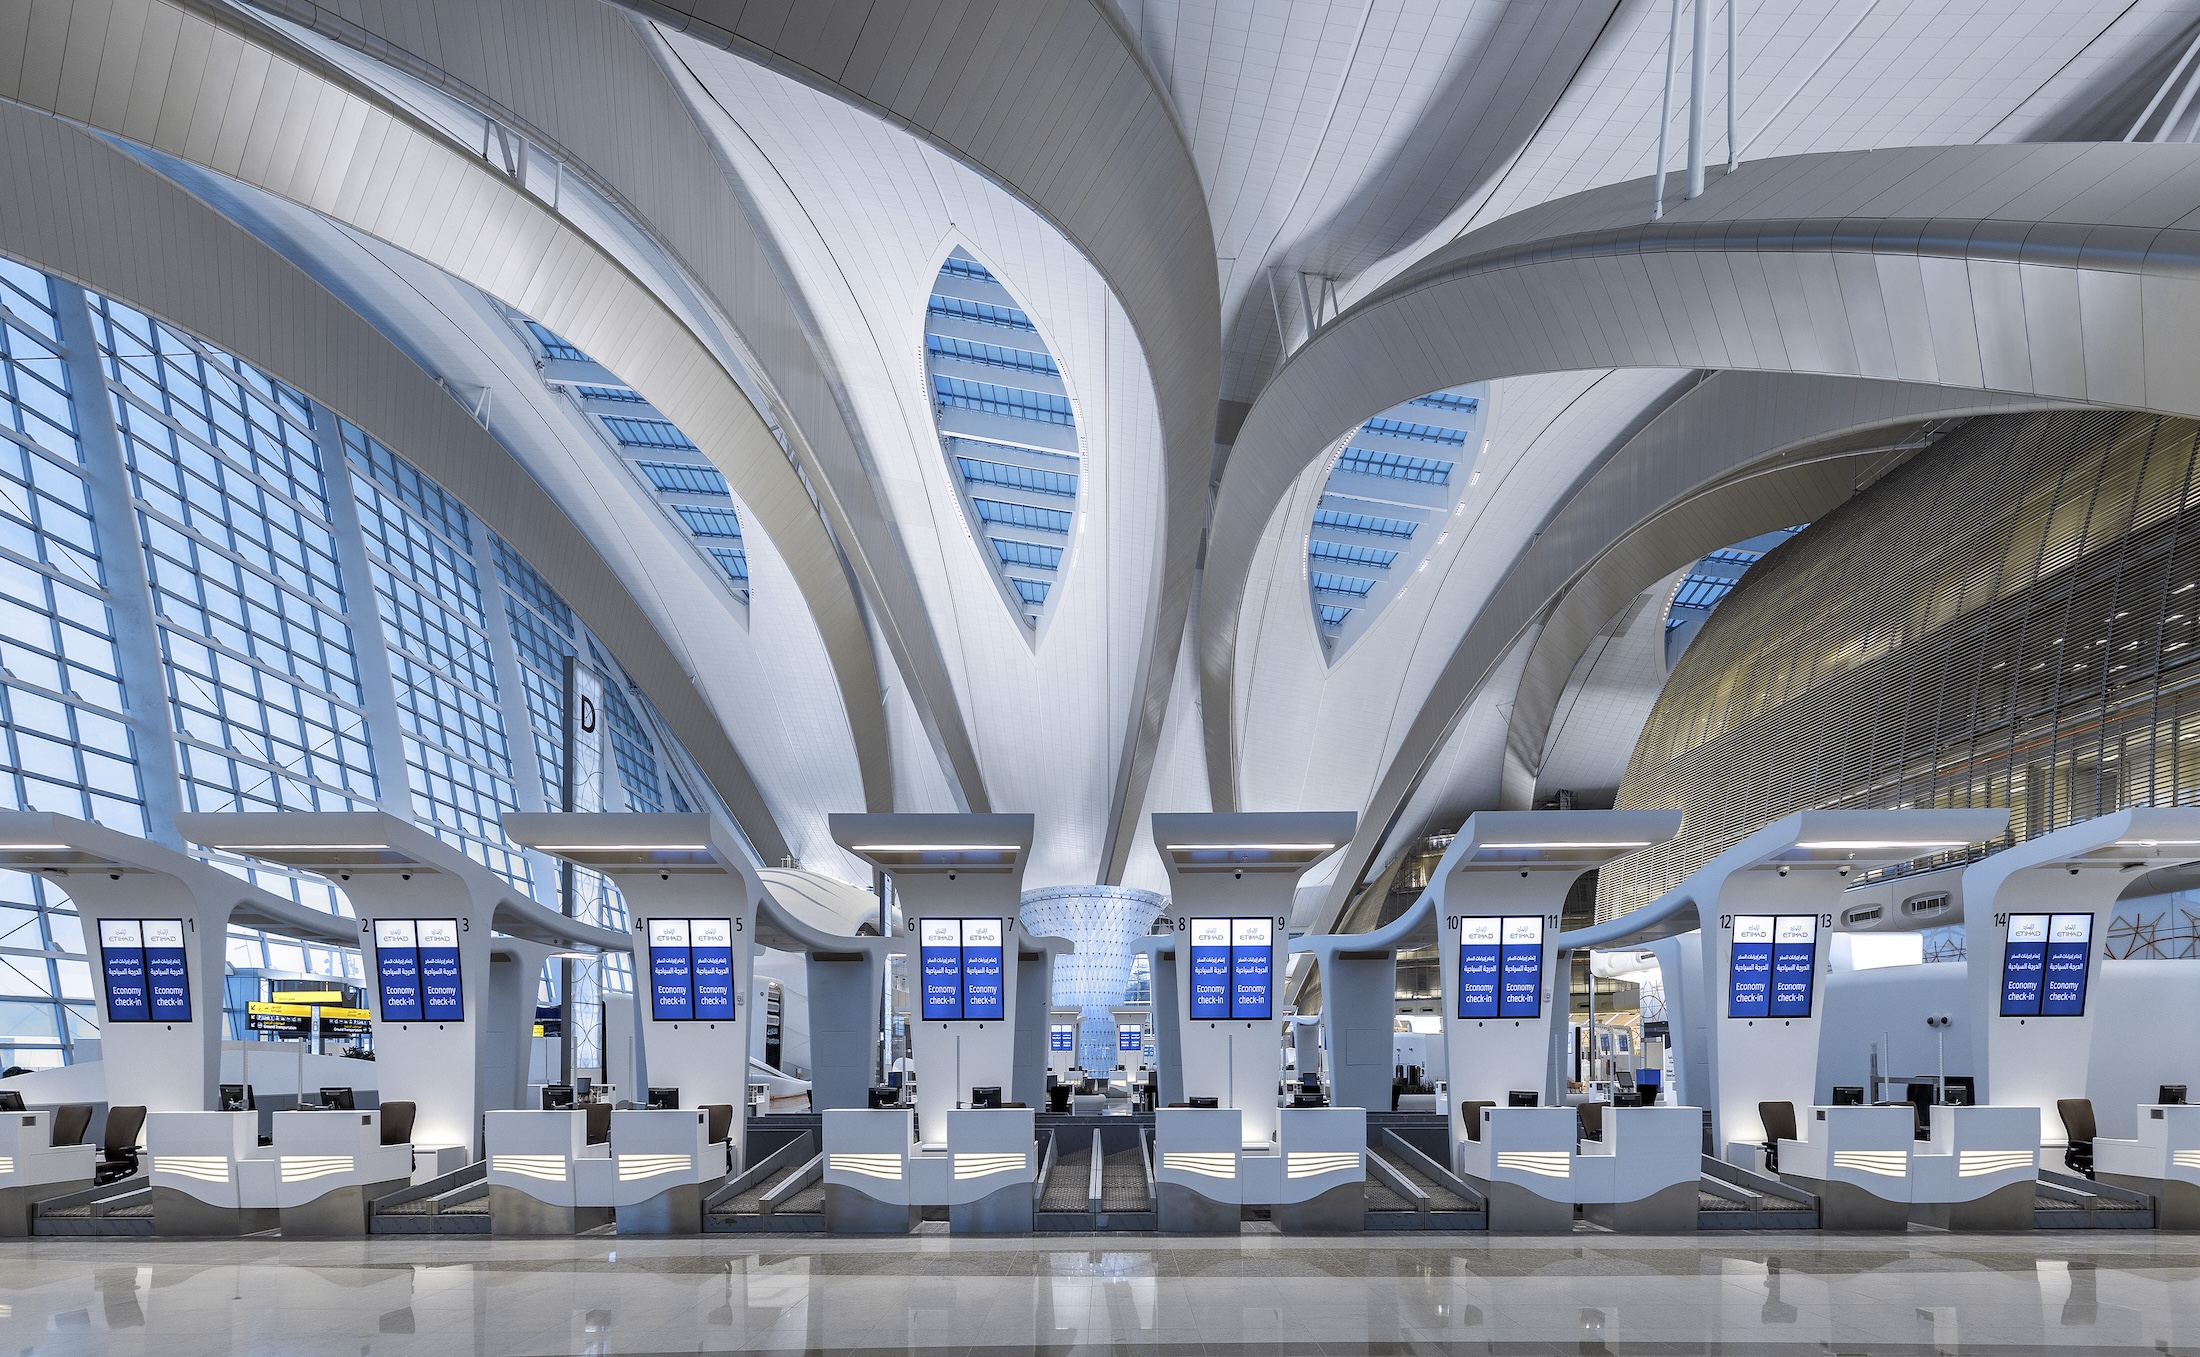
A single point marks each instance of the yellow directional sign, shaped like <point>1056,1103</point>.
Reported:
<point>309,996</point>
<point>279,1010</point>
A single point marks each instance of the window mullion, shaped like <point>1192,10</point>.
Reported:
<point>362,609</point>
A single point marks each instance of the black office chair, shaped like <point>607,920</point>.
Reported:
<point>1779,1120</point>
<point>2078,1124</point>
<point>1591,1116</point>
<point>118,1154</point>
<point>1058,1097</point>
<point>70,1121</point>
<point>1470,1114</point>
<point>397,1122</point>
<point>599,1123</point>
<point>720,1123</point>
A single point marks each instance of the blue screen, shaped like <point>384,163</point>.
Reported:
<point>1062,1039</point>
<point>1794,964</point>
<point>940,956</point>
<point>1479,943</point>
<point>1520,968</point>
<point>1749,968</point>
<point>416,967</point>
<point>671,971</point>
<point>1252,957</point>
<point>1210,997</point>
<point>122,959</point>
<point>984,995</point>
<point>397,969</point>
<point>167,978</point>
<point>442,993</point>
<point>711,946</point>
<point>1130,1038</point>
<point>2044,964</point>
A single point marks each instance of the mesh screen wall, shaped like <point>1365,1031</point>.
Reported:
<point>2007,620</point>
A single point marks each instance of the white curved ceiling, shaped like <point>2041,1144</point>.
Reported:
<point>790,213</point>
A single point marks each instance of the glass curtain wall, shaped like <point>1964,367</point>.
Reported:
<point>219,595</point>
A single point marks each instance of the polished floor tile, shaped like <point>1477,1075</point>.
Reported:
<point>1065,1296</point>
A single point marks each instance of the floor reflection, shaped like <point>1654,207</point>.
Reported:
<point>2099,1292</point>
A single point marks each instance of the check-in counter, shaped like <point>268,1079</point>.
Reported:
<point>210,1175</point>
<point>1857,1162</point>
<point>329,1167</point>
<point>1315,1176</point>
<point>666,1162</point>
<point>1196,1169</point>
<point>545,1178</point>
<point>1979,1170</point>
<point>1534,1167</point>
<point>2163,1162</point>
<point>33,1168</point>
<point>990,1171</point>
<point>867,1171</point>
<point>1642,1176</point>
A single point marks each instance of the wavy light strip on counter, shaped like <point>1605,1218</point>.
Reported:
<point>1205,1163</point>
<point>1976,1163</point>
<point>203,1168</point>
<point>543,1168</point>
<point>1885,1163</point>
<point>304,1168</point>
<point>1314,1163</point>
<point>1542,1163</point>
<point>985,1165</point>
<point>634,1167</point>
<point>884,1166</point>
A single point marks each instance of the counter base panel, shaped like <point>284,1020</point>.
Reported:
<point>1669,1210</point>
<point>19,1205</point>
<point>513,1212</point>
<point>1339,1210</point>
<point>2176,1203</point>
<point>1183,1211</point>
<point>1006,1210</point>
<point>1845,1206</point>
<point>340,1213</point>
<point>848,1211</point>
<point>2004,1208</point>
<point>181,1215</point>
<point>1514,1209</point>
<point>676,1210</point>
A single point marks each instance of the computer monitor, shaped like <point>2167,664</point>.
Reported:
<point>893,1079</point>
<point>11,1101</point>
<point>986,1097</point>
<point>557,1097</point>
<point>1204,1102</point>
<point>339,1100</point>
<point>664,1099</point>
<point>1848,1095</point>
<point>2173,1095</point>
<point>1522,1097</point>
<point>884,1096</point>
<point>583,1089</point>
<point>1959,1090</point>
<point>238,1098</point>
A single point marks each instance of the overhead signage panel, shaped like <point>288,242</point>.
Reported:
<point>2024,966</point>
<point>671,971</point>
<point>1210,944</point>
<point>2069,952</point>
<point>416,967</point>
<point>1521,968</point>
<point>1794,964</point>
<point>145,970</point>
<point>2045,961</point>
<point>711,943</point>
<point>1061,1037</point>
<point>1480,938</point>
<point>984,993</point>
<point>1252,960</point>
<point>122,959</point>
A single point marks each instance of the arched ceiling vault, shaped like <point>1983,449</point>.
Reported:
<point>630,133</point>
<point>1054,100</point>
<point>192,82</point>
<point>1677,488</point>
<point>2055,272</point>
<point>80,208</point>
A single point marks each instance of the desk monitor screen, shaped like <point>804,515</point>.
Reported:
<point>2044,963</point>
<point>963,964</point>
<point>2172,1095</point>
<point>416,968</point>
<point>11,1101</point>
<point>143,965</point>
<point>988,1097</point>
<point>1523,1098</point>
<point>1848,1095</point>
<point>1772,966</point>
<point>664,1099</point>
<point>339,1099</point>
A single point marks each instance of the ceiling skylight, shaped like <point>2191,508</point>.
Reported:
<point>1008,429</point>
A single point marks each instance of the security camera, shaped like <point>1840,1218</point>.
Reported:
<point>2073,871</point>
<point>950,876</point>
<point>1937,1020</point>
<point>1783,870</point>
<point>1238,875</point>
<point>1843,871</point>
<point>1523,873</point>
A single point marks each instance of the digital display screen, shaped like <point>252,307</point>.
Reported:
<point>1772,966</point>
<point>1061,1037</point>
<point>1501,966</point>
<point>2044,965</point>
<point>961,963</point>
<point>416,969</point>
<point>691,970</point>
<point>1130,1038</point>
<point>144,970</point>
<point>1233,965</point>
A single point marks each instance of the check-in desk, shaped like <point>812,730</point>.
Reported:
<point>1533,1167</point>
<point>988,1174</point>
<point>665,1162</point>
<point>1196,1182</point>
<point>210,1175</point>
<point>33,1168</point>
<point>867,1171</point>
<point>329,1166</point>
<point>1314,1178</point>
<point>2164,1162</point>
<point>544,1176</point>
<point>1856,1160</point>
<point>1979,1170</point>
